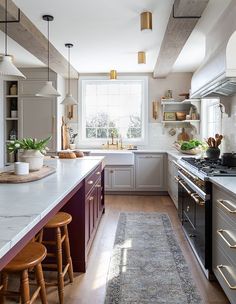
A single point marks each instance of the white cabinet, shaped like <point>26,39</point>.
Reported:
<point>172,184</point>
<point>119,178</point>
<point>150,172</point>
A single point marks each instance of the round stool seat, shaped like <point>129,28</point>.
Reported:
<point>31,255</point>
<point>59,220</point>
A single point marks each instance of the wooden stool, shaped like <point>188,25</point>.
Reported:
<point>59,223</point>
<point>29,257</point>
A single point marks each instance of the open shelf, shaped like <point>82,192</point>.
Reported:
<point>11,118</point>
<point>180,121</point>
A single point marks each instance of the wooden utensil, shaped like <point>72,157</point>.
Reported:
<point>64,135</point>
<point>183,135</point>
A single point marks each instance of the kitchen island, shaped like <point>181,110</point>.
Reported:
<point>76,188</point>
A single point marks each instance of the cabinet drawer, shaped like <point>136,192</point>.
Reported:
<point>226,203</point>
<point>224,235</point>
<point>225,272</point>
<point>91,180</point>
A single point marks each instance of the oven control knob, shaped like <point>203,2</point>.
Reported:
<point>192,235</point>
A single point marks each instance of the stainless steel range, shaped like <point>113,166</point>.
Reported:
<point>195,212</point>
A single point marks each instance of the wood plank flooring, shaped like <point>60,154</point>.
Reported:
<point>90,288</point>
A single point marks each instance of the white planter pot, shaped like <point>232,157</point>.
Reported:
<point>34,158</point>
<point>72,146</point>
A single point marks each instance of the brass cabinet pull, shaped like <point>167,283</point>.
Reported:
<point>97,186</point>
<point>220,268</point>
<point>222,203</point>
<point>196,197</point>
<point>91,198</point>
<point>98,173</point>
<point>90,182</point>
<point>221,233</point>
<point>185,188</point>
<point>177,178</point>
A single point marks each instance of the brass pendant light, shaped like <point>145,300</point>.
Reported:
<point>146,21</point>
<point>113,74</point>
<point>69,100</point>
<point>48,90</point>
<point>141,58</point>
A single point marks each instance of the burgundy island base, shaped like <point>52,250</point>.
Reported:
<point>77,187</point>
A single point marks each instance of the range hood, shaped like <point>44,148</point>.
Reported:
<point>217,75</point>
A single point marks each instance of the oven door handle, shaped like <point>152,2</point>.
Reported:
<point>186,171</point>
<point>196,197</point>
<point>185,188</point>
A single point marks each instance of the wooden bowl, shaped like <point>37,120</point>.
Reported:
<point>180,115</point>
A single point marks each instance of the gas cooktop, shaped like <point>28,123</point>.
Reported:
<point>209,167</point>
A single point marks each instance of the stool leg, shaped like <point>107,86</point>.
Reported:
<point>67,253</point>
<point>60,277</point>
<point>4,282</point>
<point>25,290</point>
<point>41,283</point>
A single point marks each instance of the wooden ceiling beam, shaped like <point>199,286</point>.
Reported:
<point>29,37</point>
<point>184,16</point>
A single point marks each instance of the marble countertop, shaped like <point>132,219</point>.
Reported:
<point>22,206</point>
<point>228,183</point>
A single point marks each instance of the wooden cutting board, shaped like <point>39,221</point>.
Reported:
<point>183,135</point>
<point>11,177</point>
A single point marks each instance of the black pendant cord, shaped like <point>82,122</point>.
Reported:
<point>68,70</point>
<point>6,28</point>
<point>48,50</point>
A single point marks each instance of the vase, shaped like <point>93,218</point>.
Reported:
<point>34,158</point>
<point>213,153</point>
<point>72,146</point>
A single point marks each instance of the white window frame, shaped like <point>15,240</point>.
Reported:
<point>206,104</point>
<point>92,142</point>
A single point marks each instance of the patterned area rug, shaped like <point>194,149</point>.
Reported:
<point>147,265</point>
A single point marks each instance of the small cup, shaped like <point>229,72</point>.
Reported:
<point>21,168</point>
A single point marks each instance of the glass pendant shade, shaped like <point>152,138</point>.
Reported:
<point>48,91</point>
<point>69,100</point>
<point>7,68</point>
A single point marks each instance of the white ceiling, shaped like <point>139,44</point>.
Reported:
<point>106,34</point>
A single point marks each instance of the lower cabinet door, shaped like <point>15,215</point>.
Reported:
<point>123,178</point>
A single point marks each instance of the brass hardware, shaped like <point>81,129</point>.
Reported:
<point>185,188</point>
<point>91,198</point>
<point>192,235</point>
<point>221,233</point>
<point>196,197</point>
<point>177,178</point>
<point>220,267</point>
<point>90,182</point>
<point>155,109</point>
<point>97,186</point>
<point>141,58</point>
<point>222,203</point>
<point>146,21</point>
<point>186,171</point>
<point>98,173</point>
<point>113,74</point>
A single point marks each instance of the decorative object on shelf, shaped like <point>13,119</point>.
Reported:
<point>113,74</point>
<point>33,151</point>
<point>48,90</point>
<point>21,168</point>
<point>185,95</point>
<point>213,151</point>
<point>13,134</point>
<point>180,115</point>
<point>192,147</point>
<point>172,132</point>
<point>155,109</point>
<point>7,68</point>
<point>169,94</point>
<point>69,100</point>
<point>13,108</point>
<point>141,58</point>
<point>65,141</point>
<point>13,89</point>
<point>146,21</point>
<point>169,116</point>
<point>183,135</point>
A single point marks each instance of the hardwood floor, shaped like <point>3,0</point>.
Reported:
<point>90,288</point>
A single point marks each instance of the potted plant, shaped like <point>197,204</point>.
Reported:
<point>33,151</point>
<point>213,151</point>
<point>72,138</point>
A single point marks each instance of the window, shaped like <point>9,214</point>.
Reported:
<point>113,108</point>
<point>211,117</point>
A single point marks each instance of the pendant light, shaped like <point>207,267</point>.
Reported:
<point>69,100</point>
<point>113,74</point>
<point>48,90</point>
<point>146,21</point>
<point>7,68</point>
